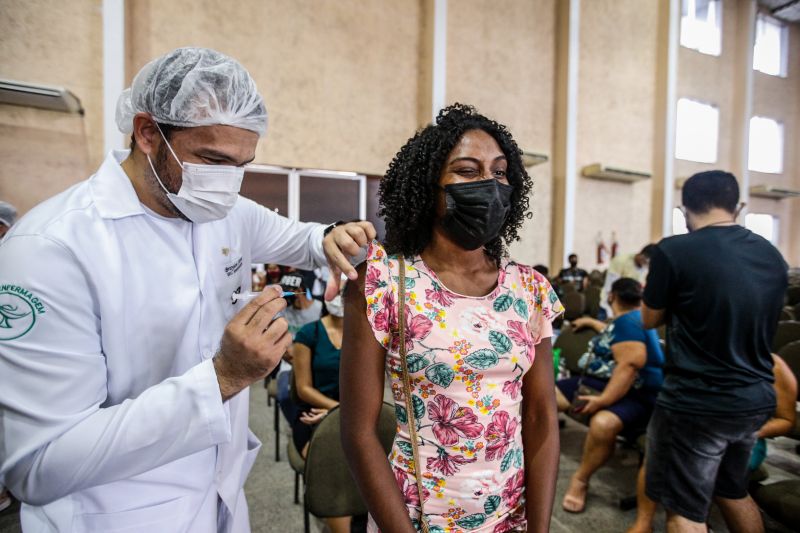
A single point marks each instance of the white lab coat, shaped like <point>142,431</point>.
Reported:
<point>110,409</point>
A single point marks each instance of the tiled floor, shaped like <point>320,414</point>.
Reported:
<point>271,485</point>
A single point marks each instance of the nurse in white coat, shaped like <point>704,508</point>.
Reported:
<point>125,363</point>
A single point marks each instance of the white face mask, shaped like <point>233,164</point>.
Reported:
<point>335,307</point>
<point>208,192</point>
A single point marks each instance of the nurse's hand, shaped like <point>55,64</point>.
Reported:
<point>341,243</point>
<point>253,343</point>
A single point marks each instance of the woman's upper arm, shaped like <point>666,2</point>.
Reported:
<point>785,389</point>
<point>633,353</point>
<point>361,377</point>
<point>301,364</point>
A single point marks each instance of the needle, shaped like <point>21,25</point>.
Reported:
<point>250,295</point>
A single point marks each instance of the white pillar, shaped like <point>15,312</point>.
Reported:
<point>667,94</point>
<point>113,70</point>
<point>743,107</point>
<point>438,92</point>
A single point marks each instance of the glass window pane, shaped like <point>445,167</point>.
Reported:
<point>764,225</point>
<point>766,145</point>
<point>701,26</point>
<point>267,189</point>
<point>697,130</point>
<point>770,50</point>
<point>327,200</point>
<point>678,222</point>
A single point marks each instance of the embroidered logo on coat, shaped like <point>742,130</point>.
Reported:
<point>18,310</point>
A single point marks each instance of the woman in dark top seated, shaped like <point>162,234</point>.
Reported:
<point>624,363</point>
<point>316,350</point>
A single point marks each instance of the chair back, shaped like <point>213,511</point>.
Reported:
<point>793,295</point>
<point>573,345</point>
<point>329,487</point>
<point>574,304</point>
<point>788,331</point>
<point>592,294</point>
<point>790,353</point>
<point>568,287</point>
<point>597,278</point>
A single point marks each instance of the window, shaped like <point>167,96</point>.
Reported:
<point>766,145</point>
<point>678,222</point>
<point>764,225</point>
<point>701,26</point>
<point>771,48</point>
<point>696,131</point>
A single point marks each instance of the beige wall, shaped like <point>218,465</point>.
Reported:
<point>710,79</point>
<point>501,60</point>
<point>616,109</point>
<point>51,43</point>
<point>347,82</point>
<point>339,78</point>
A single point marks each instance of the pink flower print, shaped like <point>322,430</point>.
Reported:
<point>417,328</point>
<point>448,464</point>
<point>386,318</point>
<point>409,488</point>
<point>501,276</point>
<point>519,333</point>
<point>451,421</point>
<point>373,280</point>
<point>439,296</point>
<point>512,388</point>
<point>500,434</point>
<point>514,488</point>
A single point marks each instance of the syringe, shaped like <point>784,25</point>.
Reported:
<point>250,295</point>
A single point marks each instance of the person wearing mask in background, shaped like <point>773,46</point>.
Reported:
<point>577,276</point>
<point>632,266</point>
<point>126,386</point>
<point>719,289</point>
<point>623,362</point>
<point>300,310</point>
<point>316,353</point>
<point>8,216</point>
<point>781,423</point>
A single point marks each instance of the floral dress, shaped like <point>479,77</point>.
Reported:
<point>466,360</point>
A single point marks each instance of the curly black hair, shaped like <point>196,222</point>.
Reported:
<point>408,191</point>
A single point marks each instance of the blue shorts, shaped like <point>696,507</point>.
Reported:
<point>634,409</point>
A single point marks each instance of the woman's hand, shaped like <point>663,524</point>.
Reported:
<point>314,416</point>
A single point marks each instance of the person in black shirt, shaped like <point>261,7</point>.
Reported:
<point>719,289</point>
<point>577,276</point>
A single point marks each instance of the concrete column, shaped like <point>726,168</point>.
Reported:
<point>743,96</point>
<point>665,116</point>
<point>113,70</point>
<point>565,171</point>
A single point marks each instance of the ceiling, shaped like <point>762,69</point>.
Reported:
<point>786,10</point>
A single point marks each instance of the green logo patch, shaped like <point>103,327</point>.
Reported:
<point>18,310</point>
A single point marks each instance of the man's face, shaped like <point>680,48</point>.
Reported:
<point>573,261</point>
<point>205,145</point>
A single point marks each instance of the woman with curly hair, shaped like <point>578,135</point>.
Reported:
<point>469,358</point>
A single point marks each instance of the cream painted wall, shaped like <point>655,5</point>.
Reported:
<point>51,43</point>
<point>501,60</point>
<point>779,98</point>
<point>710,79</point>
<point>339,78</point>
<point>616,109</point>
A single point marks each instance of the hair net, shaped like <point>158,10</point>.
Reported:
<point>8,214</point>
<point>194,87</point>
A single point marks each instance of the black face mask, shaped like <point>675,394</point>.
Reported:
<point>476,211</point>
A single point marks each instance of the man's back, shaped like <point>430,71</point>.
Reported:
<point>722,288</point>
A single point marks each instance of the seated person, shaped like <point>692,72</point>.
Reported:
<point>574,275</point>
<point>316,353</point>
<point>624,362</point>
<point>781,423</point>
<point>300,310</point>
